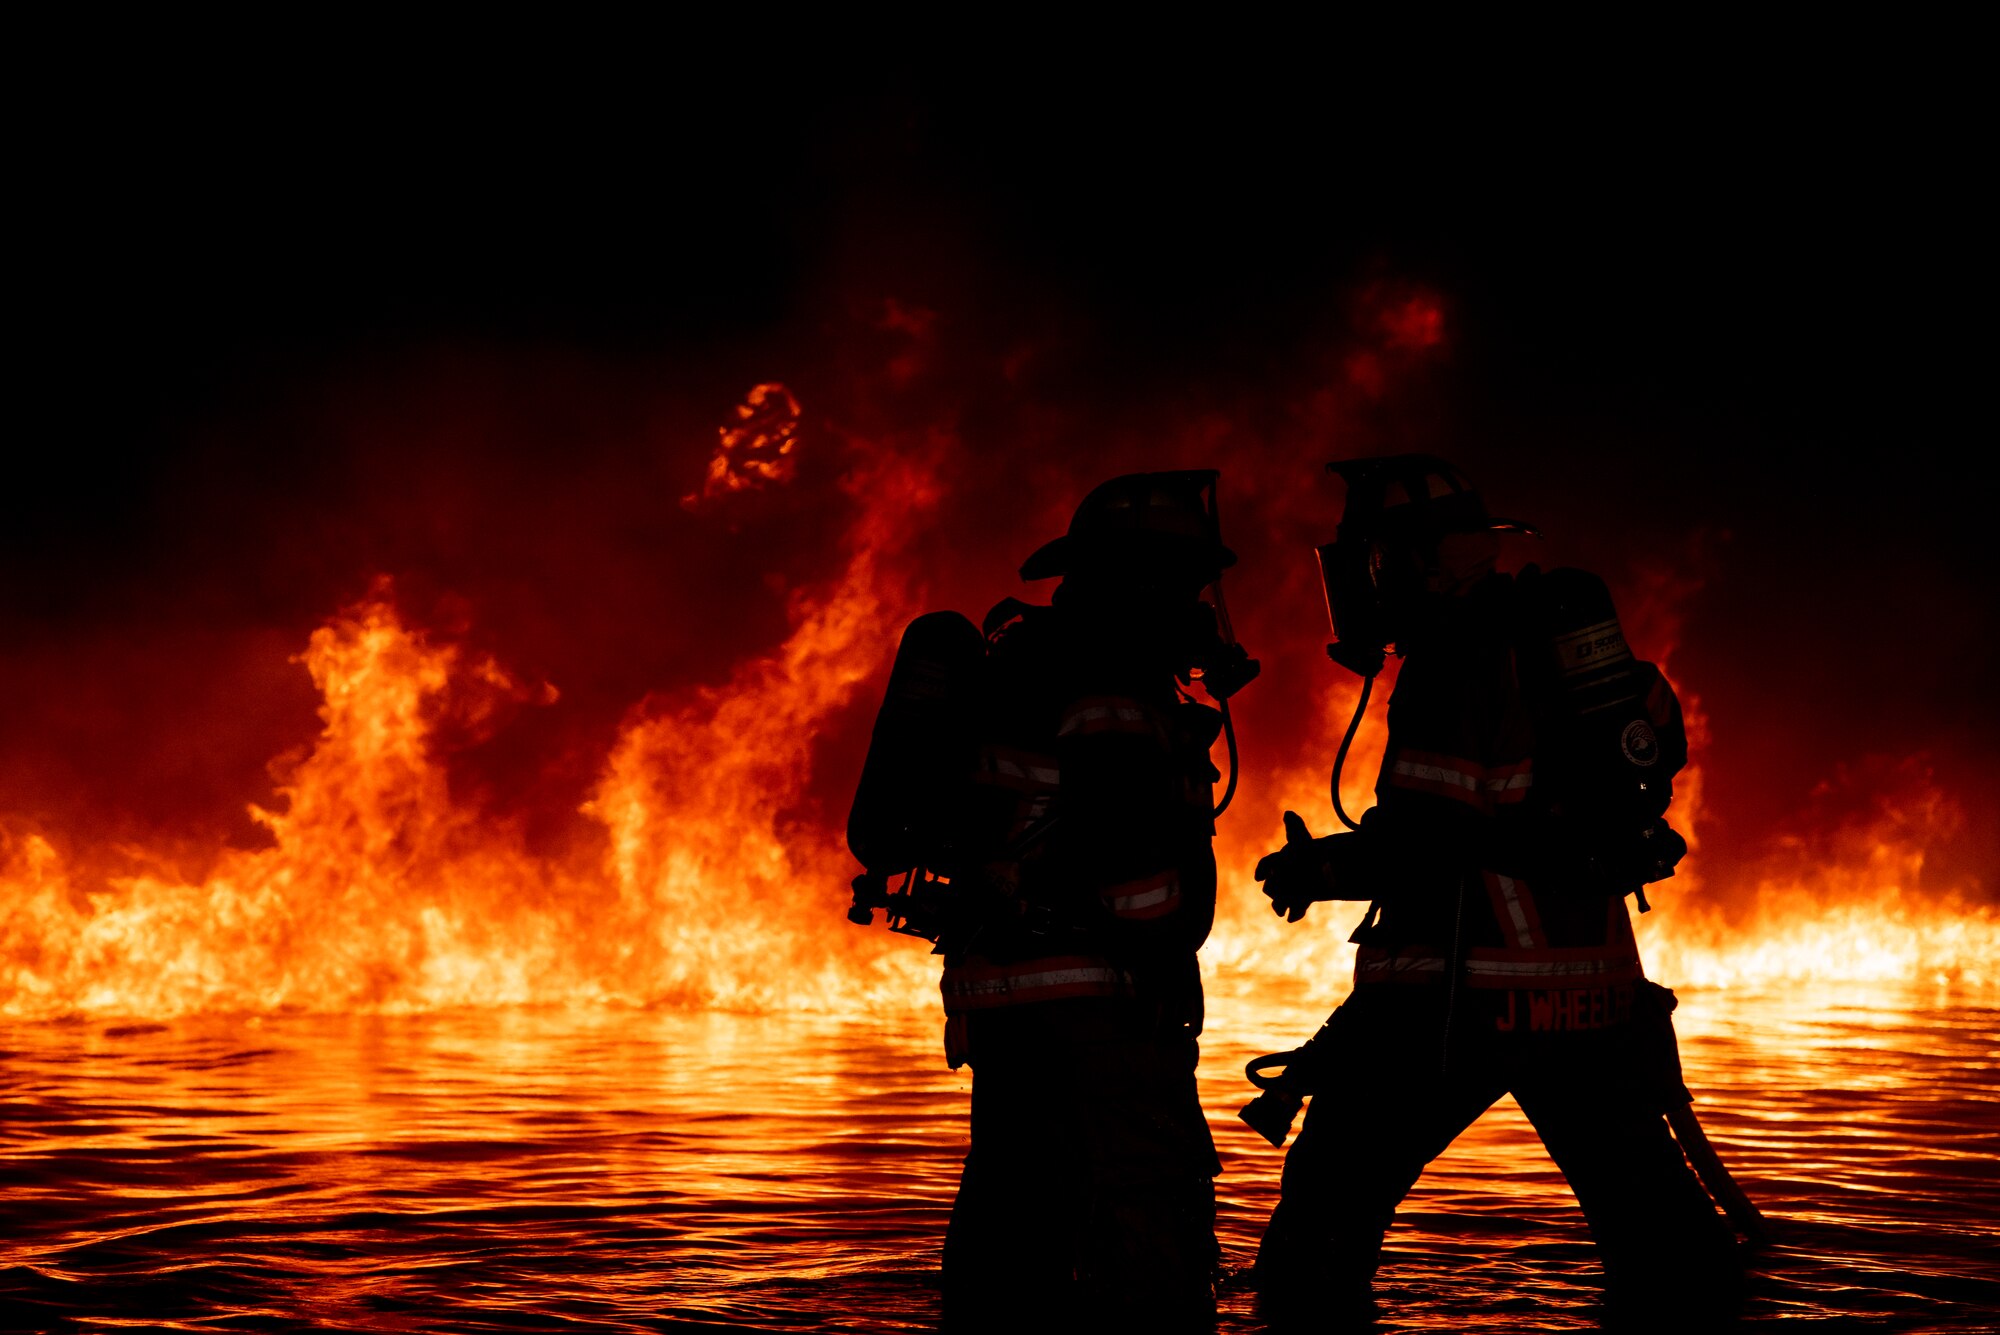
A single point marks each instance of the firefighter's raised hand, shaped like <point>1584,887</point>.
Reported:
<point>1296,875</point>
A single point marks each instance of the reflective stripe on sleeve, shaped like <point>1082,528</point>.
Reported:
<point>1149,897</point>
<point>1442,776</point>
<point>1463,780</point>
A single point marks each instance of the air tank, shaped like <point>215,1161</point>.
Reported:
<point>1612,760</point>
<point>910,804</point>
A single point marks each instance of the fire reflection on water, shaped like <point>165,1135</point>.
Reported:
<point>605,1168</point>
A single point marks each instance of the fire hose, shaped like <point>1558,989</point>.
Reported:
<point>1301,1073</point>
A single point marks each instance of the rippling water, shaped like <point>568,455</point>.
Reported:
<point>615,1171</point>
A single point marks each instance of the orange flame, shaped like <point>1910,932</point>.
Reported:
<point>378,891</point>
<point>1845,904</point>
<point>757,449</point>
<point>735,896</point>
<point>381,891</point>
<point>717,883</point>
<point>1252,949</point>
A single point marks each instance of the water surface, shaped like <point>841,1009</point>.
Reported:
<point>618,1171</point>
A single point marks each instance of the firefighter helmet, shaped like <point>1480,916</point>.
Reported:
<point>1399,508</point>
<point>1141,518</point>
<point>1413,498</point>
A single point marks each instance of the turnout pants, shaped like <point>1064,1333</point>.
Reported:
<point>1400,1092</point>
<point>1088,1194</point>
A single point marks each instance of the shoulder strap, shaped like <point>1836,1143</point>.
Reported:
<point>1005,614</point>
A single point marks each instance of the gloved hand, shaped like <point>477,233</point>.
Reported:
<point>1660,850</point>
<point>1621,863</point>
<point>1301,873</point>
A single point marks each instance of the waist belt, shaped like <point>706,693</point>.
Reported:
<point>969,987</point>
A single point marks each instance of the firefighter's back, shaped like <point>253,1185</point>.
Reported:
<point>1087,1193</point>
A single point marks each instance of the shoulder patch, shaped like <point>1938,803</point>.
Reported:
<point>1640,744</point>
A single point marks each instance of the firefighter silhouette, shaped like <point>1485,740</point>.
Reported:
<point>1521,799</point>
<point>1043,788</point>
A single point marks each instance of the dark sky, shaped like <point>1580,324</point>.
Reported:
<point>1759,282</point>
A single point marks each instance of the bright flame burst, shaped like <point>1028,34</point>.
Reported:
<point>1847,906</point>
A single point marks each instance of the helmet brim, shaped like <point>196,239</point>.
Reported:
<point>1050,559</point>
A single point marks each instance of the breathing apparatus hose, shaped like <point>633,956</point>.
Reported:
<point>1339,759</point>
<point>1228,732</point>
<point>1227,634</point>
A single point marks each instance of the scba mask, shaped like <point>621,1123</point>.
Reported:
<point>1149,546</point>
<point>1211,654</point>
<point>1364,581</point>
<point>1385,555</point>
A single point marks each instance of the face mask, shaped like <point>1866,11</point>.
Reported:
<point>1410,526</point>
<point>1371,588</point>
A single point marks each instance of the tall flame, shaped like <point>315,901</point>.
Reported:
<point>718,875</point>
<point>382,891</point>
<point>378,890</point>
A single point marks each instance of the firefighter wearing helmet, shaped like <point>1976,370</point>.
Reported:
<point>1520,801</point>
<point>1068,884</point>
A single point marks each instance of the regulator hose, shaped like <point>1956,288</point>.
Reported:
<point>1339,759</point>
<point>1229,732</point>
